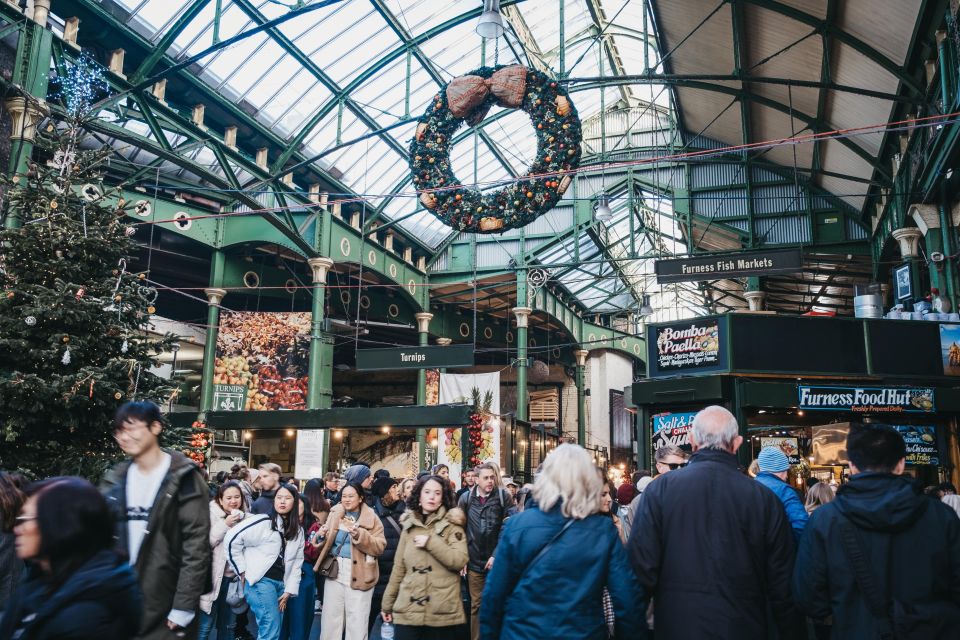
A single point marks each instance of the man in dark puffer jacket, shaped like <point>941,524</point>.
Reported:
<point>387,505</point>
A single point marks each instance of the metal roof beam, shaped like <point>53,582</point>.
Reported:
<point>160,49</point>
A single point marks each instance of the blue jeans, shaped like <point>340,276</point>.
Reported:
<point>264,600</point>
<point>298,616</point>
<point>220,615</point>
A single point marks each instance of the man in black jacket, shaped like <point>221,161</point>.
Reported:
<point>387,505</point>
<point>907,544</point>
<point>714,547</point>
<point>486,506</point>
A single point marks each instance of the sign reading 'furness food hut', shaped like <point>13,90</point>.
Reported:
<point>867,399</point>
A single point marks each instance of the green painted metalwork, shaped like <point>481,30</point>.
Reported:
<point>342,417</point>
<point>213,327</point>
<point>169,37</point>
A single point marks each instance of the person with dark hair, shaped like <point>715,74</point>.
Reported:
<point>267,553</point>
<point>608,506</point>
<point>486,507</point>
<point>389,508</point>
<point>159,500</point>
<point>423,594</point>
<point>880,559</point>
<point>381,473</point>
<point>298,617</point>
<point>469,479</point>
<point>226,511</point>
<point>353,535</point>
<point>947,489</point>
<point>76,586</point>
<point>11,567</point>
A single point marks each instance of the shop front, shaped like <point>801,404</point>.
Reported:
<point>800,383</point>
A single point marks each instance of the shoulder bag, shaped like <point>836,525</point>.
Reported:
<point>329,567</point>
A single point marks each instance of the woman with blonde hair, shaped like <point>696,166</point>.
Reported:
<point>817,496</point>
<point>555,559</point>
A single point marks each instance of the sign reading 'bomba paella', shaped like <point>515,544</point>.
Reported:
<point>728,265</point>
<point>694,346</point>
<point>867,399</point>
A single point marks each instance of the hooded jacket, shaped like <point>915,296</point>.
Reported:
<point>253,546</point>
<point>100,599</point>
<point>173,566</point>
<point>911,544</point>
<point>390,518</point>
<point>424,587</point>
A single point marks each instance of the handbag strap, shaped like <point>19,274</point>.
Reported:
<point>546,547</point>
<point>866,580</point>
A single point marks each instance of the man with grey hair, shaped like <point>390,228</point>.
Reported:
<point>667,458</point>
<point>712,547</point>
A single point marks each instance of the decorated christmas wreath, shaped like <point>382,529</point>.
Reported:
<point>469,98</point>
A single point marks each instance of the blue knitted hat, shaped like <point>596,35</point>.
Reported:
<point>356,474</point>
<point>773,460</point>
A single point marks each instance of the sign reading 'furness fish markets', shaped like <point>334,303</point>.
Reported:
<point>867,399</point>
<point>728,265</point>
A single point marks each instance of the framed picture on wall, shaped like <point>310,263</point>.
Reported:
<point>902,282</point>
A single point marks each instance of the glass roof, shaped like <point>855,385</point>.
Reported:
<point>337,72</point>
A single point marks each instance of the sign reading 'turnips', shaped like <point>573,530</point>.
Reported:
<point>693,346</point>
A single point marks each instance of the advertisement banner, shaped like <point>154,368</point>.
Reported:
<point>672,428</point>
<point>921,444</point>
<point>308,462</point>
<point>695,346</point>
<point>465,388</point>
<point>950,349</point>
<point>268,354</point>
<point>789,446</point>
<point>867,399</point>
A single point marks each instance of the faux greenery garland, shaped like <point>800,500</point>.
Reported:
<point>468,98</point>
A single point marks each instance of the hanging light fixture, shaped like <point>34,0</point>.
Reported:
<point>490,25</point>
<point>602,208</point>
<point>645,308</point>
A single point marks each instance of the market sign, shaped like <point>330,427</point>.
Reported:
<point>695,346</point>
<point>867,399</point>
<point>672,428</point>
<point>229,397</point>
<point>728,265</point>
<point>921,444</point>
<point>428,357</point>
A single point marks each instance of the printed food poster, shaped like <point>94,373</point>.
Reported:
<point>921,444</point>
<point>470,388</point>
<point>789,446</point>
<point>950,349</point>
<point>686,348</point>
<point>672,428</point>
<point>267,354</point>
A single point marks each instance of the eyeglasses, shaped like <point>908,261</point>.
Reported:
<point>675,465</point>
<point>22,519</point>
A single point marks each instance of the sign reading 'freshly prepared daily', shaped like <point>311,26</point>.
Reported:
<point>867,399</point>
<point>688,347</point>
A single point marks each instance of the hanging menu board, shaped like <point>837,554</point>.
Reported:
<point>921,444</point>
<point>683,348</point>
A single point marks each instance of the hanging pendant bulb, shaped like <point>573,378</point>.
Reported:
<point>602,208</point>
<point>645,308</point>
<point>490,24</point>
<point>66,357</point>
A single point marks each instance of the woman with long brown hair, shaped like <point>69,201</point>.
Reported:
<point>11,500</point>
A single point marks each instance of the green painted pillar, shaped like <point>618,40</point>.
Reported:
<point>581,382</point>
<point>320,371</point>
<point>30,74</point>
<point>522,315</point>
<point>214,296</point>
<point>423,329</point>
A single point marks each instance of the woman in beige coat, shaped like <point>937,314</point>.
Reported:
<point>423,596</point>
<point>353,534</point>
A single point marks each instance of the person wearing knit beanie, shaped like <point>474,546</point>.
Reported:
<point>774,468</point>
<point>359,474</point>
<point>382,485</point>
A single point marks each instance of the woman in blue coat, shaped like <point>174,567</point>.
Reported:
<point>553,561</point>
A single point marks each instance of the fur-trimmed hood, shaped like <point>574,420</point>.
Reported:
<point>438,520</point>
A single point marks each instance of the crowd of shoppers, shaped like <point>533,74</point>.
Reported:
<point>698,548</point>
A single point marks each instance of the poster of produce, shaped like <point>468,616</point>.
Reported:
<point>268,354</point>
<point>789,446</point>
<point>464,388</point>
<point>921,444</point>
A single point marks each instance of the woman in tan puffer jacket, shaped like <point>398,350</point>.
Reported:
<point>423,596</point>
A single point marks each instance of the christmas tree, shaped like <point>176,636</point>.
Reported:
<point>73,318</point>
